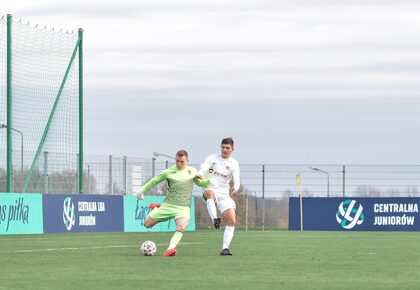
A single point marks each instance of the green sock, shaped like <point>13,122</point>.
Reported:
<point>175,239</point>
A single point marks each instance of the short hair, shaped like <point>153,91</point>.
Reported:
<point>181,153</point>
<point>228,140</point>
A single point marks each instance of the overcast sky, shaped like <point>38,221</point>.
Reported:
<point>322,81</point>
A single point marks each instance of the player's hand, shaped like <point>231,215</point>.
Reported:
<point>199,176</point>
<point>233,192</point>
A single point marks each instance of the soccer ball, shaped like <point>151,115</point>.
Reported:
<point>148,248</point>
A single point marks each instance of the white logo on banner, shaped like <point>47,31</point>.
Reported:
<point>69,217</point>
<point>348,215</point>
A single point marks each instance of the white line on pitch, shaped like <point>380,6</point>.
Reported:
<point>85,248</point>
<point>46,238</point>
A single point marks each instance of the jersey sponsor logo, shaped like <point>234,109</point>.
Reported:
<point>212,171</point>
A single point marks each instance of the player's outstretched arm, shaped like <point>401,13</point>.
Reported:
<point>152,183</point>
<point>202,182</point>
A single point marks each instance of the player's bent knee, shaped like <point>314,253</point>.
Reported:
<point>180,229</point>
<point>231,222</point>
<point>230,217</point>
<point>208,194</point>
<point>182,224</point>
<point>148,223</point>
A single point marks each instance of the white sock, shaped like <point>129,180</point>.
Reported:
<point>227,236</point>
<point>211,208</point>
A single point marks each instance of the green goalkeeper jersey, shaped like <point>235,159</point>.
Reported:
<point>180,184</point>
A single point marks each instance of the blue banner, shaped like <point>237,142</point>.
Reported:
<point>135,211</point>
<point>83,213</point>
<point>355,214</point>
<point>20,213</point>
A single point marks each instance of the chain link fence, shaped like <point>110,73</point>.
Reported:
<point>265,188</point>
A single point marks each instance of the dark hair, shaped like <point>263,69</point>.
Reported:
<point>228,140</point>
<point>181,153</point>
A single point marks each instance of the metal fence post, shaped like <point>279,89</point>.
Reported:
<point>9,145</point>
<point>263,200</point>
<point>45,171</point>
<point>344,180</point>
<point>81,152</point>
<point>256,209</point>
<point>246,211</point>
<point>77,174</point>
<point>125,174</point>
<point>88,177</point>
<point>153,166</point>
<point>111,182</point>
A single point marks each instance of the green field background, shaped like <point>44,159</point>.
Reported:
<point>261,260</point>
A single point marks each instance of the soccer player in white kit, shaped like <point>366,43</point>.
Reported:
<point>221,169</point>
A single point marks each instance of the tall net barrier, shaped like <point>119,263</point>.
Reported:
<point>43,110</point>
<point>2,104</point>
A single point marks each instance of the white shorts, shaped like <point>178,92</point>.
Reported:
<point>224,202</point>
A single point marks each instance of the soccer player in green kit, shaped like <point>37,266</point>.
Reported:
<point>180,178</point>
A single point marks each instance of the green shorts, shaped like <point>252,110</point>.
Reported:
<point>167,211</point>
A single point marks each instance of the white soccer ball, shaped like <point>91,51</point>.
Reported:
<point>148,248</point>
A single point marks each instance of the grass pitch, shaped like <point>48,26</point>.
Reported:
<point>261,260</point>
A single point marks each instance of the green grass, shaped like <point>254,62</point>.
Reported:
<point>261,260</point>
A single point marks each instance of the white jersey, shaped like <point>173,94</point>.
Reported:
<point>222,171</point>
